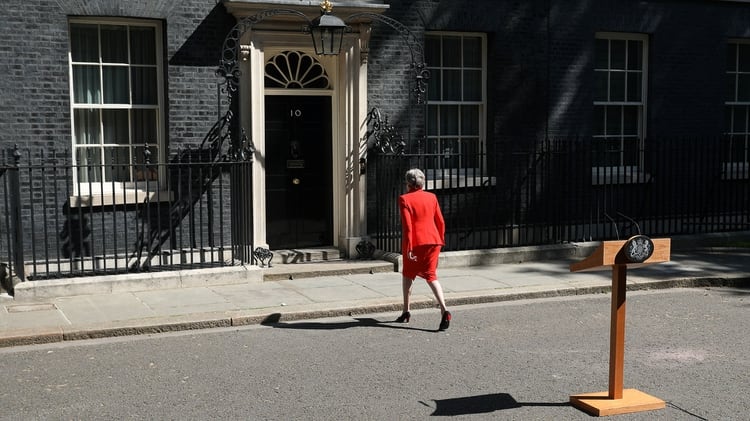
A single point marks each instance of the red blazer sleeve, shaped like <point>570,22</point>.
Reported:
<point>440,222</point>
<point>406,225</point>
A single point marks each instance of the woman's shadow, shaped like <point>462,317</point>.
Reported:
<point>274,320</point>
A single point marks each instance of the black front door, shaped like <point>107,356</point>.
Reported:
<point>298,171</point>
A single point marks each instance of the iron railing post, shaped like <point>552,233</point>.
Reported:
<point>242,153</point>
<point>16,228</point>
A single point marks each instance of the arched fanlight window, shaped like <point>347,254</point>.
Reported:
<point>295,70</point>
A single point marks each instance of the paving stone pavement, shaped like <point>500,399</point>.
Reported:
<point>93,308</point>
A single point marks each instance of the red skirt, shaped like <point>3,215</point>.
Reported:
<point>425,264</point>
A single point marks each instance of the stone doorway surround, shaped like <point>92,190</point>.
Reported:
<point>348,75</point>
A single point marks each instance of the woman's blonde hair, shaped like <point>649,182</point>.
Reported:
<point>415,178</point>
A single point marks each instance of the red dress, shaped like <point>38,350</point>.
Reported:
<point>423,234</point>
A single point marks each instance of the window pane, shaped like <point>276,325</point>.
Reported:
<point>743,87</point>
<point>617,54</point>
<point>451,51</point>
<point>599,116</point>
<point>449,120</point>
<point>469,153</point>
<point>449,150</point>
<point>84,42</point>
<point>117,164</point>
<point>89,165</point>
<point>731,57</point>
<point>455,111</point>
<point>472,85</point>
<point>123,69</point>
<point>115,85</point>
<point>630,151</point>
<point>115,124</point>
<point>142,45</point>
<point>470,120</point>
<point>731,93</point>
<point>618,78</point>
<point>744,58</point>
<point>630,120</point>
<point>601,54</point>
<point>634,87</point>
<point>144,85</point>
<point>144,126</point>
<point>739,149</point>
<point>472,52</point>
<point>114,44</point>
<point>432,51</point>
<point>635,55</point>
<point>86,89</point>
<point>740,119</point>
<point>617,86</point>
<point>728,119</point>
<point>432,120</point>
<point>601,88</point>
<point>451,85</point>
<point>614,120</point>
<point>433,87</point>
<point>86,123</point>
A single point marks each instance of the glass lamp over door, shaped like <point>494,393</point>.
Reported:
<point>327,31</point>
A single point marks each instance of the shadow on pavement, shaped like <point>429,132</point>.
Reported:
<point>274,321</point>
<point>482,404</point>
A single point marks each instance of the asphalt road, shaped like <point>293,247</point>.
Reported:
<point>510,361</point>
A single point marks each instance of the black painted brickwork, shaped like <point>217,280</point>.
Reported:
<point>35,106</point>
<point>539,63</point>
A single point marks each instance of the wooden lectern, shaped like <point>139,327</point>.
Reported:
<point>621,254</point>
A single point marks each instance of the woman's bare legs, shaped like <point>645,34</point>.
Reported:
<point>406,285</point>
<point>445,317</point>
<point>437,289</point>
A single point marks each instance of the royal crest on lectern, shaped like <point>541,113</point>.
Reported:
<point>639,248</point>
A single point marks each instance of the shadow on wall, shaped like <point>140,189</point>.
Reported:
<point>204,46</point>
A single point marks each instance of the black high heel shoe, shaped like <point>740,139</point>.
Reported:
<point>404,317</point>
<point>445,321</point>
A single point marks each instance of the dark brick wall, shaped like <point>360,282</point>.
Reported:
<point>35,93</point>
<point>540,55</point>
<point>540,63</point>
<point>35,105</point>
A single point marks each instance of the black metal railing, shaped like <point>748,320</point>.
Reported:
<point>558,192</point>
<point>167,216</point>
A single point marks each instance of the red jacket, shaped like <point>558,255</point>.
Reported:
<point>421,220</point>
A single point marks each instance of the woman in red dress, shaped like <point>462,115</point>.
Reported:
<point>423,235</point>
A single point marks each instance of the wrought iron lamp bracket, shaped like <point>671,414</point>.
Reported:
<point>418,66</point>
<point>229,68</point>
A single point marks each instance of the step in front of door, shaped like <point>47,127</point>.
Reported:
<point>306,255</point>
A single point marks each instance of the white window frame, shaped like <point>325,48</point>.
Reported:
<point>450,176</point>
<point>106,192</point>
<point>735,170</point>
<point>624,173</point>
